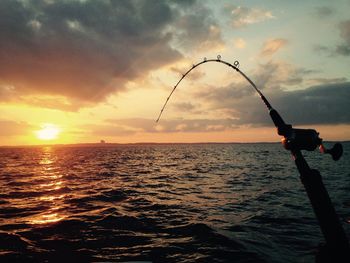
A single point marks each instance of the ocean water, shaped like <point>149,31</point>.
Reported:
<point>162,203</point>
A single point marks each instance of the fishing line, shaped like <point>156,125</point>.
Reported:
<point>234,66</point>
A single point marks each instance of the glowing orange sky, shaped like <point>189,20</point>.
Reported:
<point>103,71</point>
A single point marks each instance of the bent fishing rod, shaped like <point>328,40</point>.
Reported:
<point>336,248</point>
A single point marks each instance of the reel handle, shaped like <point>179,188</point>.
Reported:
<point>336,151</point>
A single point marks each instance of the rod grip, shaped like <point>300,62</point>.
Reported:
<point>282,127</point>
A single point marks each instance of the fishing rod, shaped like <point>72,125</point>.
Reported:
<point>235,66</point>
<point>336,248</point>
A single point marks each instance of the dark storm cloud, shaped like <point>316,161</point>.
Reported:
<point>322,104</point>
<point>85,50</point>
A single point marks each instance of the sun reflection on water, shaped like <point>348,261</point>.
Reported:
<point>51,188</point>
<point>51,185</point>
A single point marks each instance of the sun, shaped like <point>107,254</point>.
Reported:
<point>48,132</point>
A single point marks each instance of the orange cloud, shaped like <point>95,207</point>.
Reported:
<point>271,46</point>
<point>14,128</point>
<point>239,43</point>
<point>242,16</point>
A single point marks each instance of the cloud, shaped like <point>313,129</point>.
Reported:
<point>327,102</point>
<point>324,11</point>
<point>9,94</point>
<point>271,46</point>
<point>197,29</point>
<point>322,104</point>
<point>237,104</point>
<point>277,74</point>
<point>194,75</point>
<point>344,48</point>
<point>241,16</point>
<point>239,43</point>
<point>53,102</point>
<point>322,49</point>
<point>322,81</point>
<point>184,106</point>
<point>108,130</point>
<point>273,76</point>
<point>13,128</point>
<point>87,50</point>
<point>123,127</point>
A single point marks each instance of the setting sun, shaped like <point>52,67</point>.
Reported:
<point>48,132</point>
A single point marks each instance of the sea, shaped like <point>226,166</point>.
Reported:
<point>163,203</point>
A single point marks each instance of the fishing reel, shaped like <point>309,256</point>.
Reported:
<point>302,139</point>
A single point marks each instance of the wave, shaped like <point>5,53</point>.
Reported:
<point>167,203</point>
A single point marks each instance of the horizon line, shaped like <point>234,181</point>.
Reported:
<point>108,144</point>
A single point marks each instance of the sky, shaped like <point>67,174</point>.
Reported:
<point>81,71</point>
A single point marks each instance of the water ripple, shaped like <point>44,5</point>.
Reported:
<point>161,203</point>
